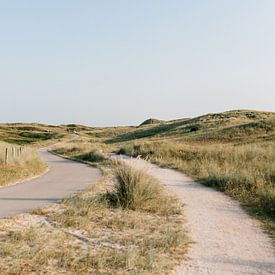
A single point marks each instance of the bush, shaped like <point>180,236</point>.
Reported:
<point>92,156</point>
<point>134,189</point>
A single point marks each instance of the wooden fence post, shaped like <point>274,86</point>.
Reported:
<point>6,156</point>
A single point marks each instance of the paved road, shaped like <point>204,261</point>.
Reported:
<point>226,239</point>
<point>65,177</point>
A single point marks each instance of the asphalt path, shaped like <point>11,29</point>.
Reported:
<point>64,178</point>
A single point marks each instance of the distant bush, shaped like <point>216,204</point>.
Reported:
<point>66,150</point>
<point>38,135</point>
<point>194,128</point>
<point>92,156</point>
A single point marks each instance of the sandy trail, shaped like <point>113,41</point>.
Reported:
<point>226,239</point>
<point>64,178</point>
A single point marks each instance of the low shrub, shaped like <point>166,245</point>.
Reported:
<point>92,156</point>
<point>135,188</point>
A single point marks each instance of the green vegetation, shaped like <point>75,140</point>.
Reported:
<point>232,152</point>
<point>243,126</point>
<point>38,135</point>
<point>150,121</point>
<point>18,133</point>
<point>92,156</point>
<point>77,153</point>
<point>126,223</point>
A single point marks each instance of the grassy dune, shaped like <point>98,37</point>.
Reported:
<point>232,151</point>
<point>126,223</point>
<point>30,133</point>
<point>232,126</point>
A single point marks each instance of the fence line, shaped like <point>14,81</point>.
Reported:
<point>11,153</point>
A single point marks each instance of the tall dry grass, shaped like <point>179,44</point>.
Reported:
<point>142,233</point>
<point>245,172</point>
<point>13,154</point>
<point>20,164</point>
<point>136,190</point>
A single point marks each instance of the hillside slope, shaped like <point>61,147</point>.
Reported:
<point>228,126</point>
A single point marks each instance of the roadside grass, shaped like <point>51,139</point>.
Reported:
<point>13,173</point>
<point>121,228</point>
<point>136,190</point>
<point>231,151</point>
<point>19,166</point>
<point>21,140</point>
<point>246,172</point>
<point>80,151</point>
<point>16,154</point>
<point>90,234</point>
<point>92,156</point>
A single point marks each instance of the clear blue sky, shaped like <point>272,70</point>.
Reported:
<point>120,62</point>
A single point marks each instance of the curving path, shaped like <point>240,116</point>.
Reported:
<point>226,239</point>
<point>64,178</point>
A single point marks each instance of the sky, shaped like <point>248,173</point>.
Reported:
<point>119,62</point>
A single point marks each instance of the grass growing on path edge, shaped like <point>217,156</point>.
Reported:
<point>245,172</point>
<point>21,167</point>
<point>89,233</point>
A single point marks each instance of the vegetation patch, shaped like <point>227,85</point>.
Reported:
<point>136,190</point>
<point>151,121</point>
<point>18,163</point>
<point>92,156</point>
<point>126,223</point>
<point>38,135</point>
<point>245,172</point>
<point>18,133</point>
<point>115,227</point>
